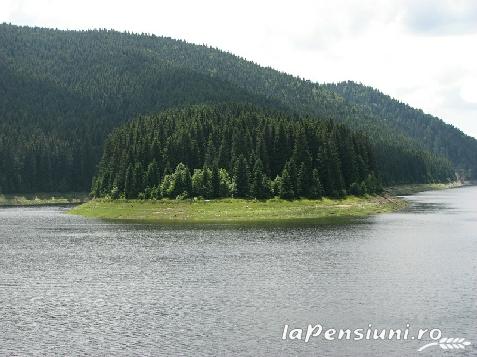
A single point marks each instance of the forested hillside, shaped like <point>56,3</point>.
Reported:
<point>428,131</point>
<point>57,106</point>
<point>62,92</point>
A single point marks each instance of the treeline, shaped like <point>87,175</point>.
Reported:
<point>239,151</point>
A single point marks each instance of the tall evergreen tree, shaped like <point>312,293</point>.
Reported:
<point>129,184</point>
<point>241,177</point>
<point>258,188</point>
<point>316,190</point>
<point>215,182</point>
<point>287,182</point>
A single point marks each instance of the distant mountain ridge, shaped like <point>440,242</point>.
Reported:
<point>428,131</point>
<point>62,92</point>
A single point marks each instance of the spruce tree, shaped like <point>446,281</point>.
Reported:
<point>152,177</point>
<point>241,177</point>
<point>304,181</point>
<point>215,182</point>
<point>287,183</point>
<point>258,187</point>
<point>316,190</point>
<point>129,192</point>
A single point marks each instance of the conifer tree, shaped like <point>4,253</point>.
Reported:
<point>241,177</point>
<point>129,190</point>
<point>215,182</point>
<point>258,188</point>
<point>152,177</point>
<point>304,181</point>
<point>316,190</point>
<point>287,182</point>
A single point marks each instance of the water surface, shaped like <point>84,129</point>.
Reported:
<point>75,286</point>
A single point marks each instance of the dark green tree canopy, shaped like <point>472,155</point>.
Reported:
<point>196,141</point>
<point>63,92</point>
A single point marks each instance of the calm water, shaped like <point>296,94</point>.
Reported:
<point>72,286</point>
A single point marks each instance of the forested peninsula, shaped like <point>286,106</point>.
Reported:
<point>234,151</point>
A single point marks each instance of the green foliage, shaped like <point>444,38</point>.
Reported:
<point>276,185</point>
<point>215,183</point>
<point>63,92</point>
<point>316,190</point>
<point>202,183</point>
<point>428,132</point>
<point>197,125</point>
<point>178,184</point>
<point>241,177</point>
<point>226,184</point>
<point>288,181</point>
<point>260,186</point>
<point>355,189</point>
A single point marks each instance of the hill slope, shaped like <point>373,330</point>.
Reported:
<point>62,92</point>
<point>429,132</point>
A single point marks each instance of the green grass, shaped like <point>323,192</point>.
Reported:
<point>236,210</point>
<point>38,199</point>
<point>404,190</point>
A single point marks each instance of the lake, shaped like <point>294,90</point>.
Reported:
<point>75,286</point>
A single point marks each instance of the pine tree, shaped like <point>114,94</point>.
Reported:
<point>304,180</point>
<point>241,177</point>
<point>258,187</point>
<point>287,183</point>
<point>316,190</point>
<point>138,179</point>
<point>210,154</point>
<point>355,189</point>
<point>152,177</point>
<point>129,191</point>
<point>215,182</point>
<point>226,183</point>
<point>206,182</point>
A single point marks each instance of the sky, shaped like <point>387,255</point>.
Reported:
<point>422,52</point>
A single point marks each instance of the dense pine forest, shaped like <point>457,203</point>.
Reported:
<point>63,92</point>
<point>240,151</point>
<point>234,150</point>
<point>429,132</point>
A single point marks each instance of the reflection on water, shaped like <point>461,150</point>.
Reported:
<point>72,286</point>
<point>428,207</point>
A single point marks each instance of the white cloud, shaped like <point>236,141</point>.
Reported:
<point>441,17</point>
<point>422,52</point>
<point>468,90</point>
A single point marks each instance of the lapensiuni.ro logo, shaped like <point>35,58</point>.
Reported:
<point>430,337</point>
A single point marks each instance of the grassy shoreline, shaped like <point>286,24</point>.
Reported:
<point>226,210</point>
<point>237,210</point>
<point>43,199</point>
<point>251,211</point>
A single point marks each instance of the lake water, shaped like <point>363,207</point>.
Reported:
<point>74,286</point>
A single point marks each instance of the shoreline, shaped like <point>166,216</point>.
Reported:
<point>411,189</point>
<point>241,211</point>
<point>43,199</point>
<point>230,211</point>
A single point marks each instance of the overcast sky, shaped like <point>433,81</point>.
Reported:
<point>423,52</point>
